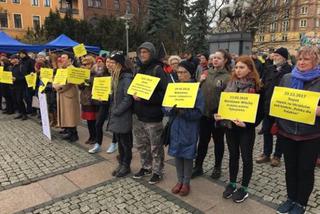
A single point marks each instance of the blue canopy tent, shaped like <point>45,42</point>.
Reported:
<point>64,42</point>
<point>10,45</point>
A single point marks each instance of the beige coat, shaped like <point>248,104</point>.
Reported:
<point>68,105</point>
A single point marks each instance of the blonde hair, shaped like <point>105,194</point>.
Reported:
<point>174,57</point>
<point>314,52</point>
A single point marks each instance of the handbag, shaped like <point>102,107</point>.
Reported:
<point>165,135</point>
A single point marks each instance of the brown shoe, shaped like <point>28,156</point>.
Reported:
<point>176,188</point>
<point>275,162</point>
<point>263,159</point>
<point>185,189</point>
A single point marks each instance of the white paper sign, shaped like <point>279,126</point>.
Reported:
<point>44,115</point>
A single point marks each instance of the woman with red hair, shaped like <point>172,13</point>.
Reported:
<point>240,136</point>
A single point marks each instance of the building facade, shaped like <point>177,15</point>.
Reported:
<point>299,24</point>
<point>16,16</point>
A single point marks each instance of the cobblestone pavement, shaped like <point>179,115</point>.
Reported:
<point>267,183</point>
<point>26,155</point>
<point>117,196</point>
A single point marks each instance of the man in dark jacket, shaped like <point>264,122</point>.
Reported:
<point>27,66</point>
<point>258,64</point>
<point>148,125</point>
<point>272,77</point>
<point>19,86</point>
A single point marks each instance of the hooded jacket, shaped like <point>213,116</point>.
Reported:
<point>151,110</point>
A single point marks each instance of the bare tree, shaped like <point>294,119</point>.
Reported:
<point>250,15</point>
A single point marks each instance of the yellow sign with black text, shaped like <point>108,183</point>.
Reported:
<point>77,75</point>
<point>6,77</point>
<point>31,80</point>
<point>183,95</point>
<point>46,73</point>
<point>143,86</point>
<point>61,77</point>
<point>79,50</point>
<point>238,106</point>
<point>101,88</point>
<point>294,105</point>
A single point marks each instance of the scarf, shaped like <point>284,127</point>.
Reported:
<point>299,78</point>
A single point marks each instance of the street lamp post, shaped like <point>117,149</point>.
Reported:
<point>127,17</point>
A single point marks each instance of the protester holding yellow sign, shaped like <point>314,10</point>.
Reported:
<point>182,128</point>
<point>77,75</point>
<point>240,135</point>
<point>46,73</point>
<point>143,86</point>
<point>31,80</point>
<point>61,77</point>
<point>6,77</point>
<point>101,88</point>
<point>299,137</point>
<point>79,50</point>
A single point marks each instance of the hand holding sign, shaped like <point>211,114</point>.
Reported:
<point>77,75</point>
<point>61,77</point>
<point>79,50</point>
<point>101,88</point>
<point>46,73</point>
<point>143,86</point>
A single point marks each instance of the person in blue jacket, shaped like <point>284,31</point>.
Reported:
<point>184,132</point>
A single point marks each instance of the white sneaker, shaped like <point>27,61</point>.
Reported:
<point>95,149</point>
<point>112,148</point>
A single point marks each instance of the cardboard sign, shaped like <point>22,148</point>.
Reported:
<point>44,85</point>
<point>101,88</point>
<point>181,94</point>
<point>61,77</point>
<point>79,50</point>
<point>6,77</point>
<point>31,80</point>
<point>294,105</point>
<point>46,73</point>
<point>77,75</point>
<point>44,115</point>
<point>238,106</point>
<point>143,86</point>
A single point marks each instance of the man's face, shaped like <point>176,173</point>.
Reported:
<point>22,55</point>
<point>145,55</point>
<point>278,59</point>
<point>64,59</point>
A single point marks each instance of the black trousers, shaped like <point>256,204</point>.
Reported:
<point>125,143</point>
<point>92,129</point>
<point>102,115</point>
<point>300,159</point>
<point>8,96</point>
<point>208,130</point>
<point>241,140</point>
<point>20,91</point>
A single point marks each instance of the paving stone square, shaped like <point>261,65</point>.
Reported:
<point>116,197</point>
<point>267,182</point>
<point>26,155</point>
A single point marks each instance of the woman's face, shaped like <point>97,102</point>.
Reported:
<point>241,70</point>
<point>203,60</point>
<point>183,74</point>
<point>112,65</point>
<point>306,62</point>
<point>218,60</point>
<point>174,64</point>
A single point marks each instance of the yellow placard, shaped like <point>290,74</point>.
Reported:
<point>44,85</point>
<point>61,77</point>
<point>46,73</point>
<point>143,86</point>
<point>294,105</point>
<point>77,75</point>
<point>183,95</point>
<point>79,50</point>
<point>101,88</point>
<point>238,106</point>
<point>6,77</point>
<point>1,68</point>
<point>31,80</point>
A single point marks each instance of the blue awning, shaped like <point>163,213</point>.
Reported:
<point>10,45</point>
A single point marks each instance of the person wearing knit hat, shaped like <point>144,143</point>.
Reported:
<point>282,52</point>
<point>119,58</point>
<point>42,53</point>
<point>184,132</point>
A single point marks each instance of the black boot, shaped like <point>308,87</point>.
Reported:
<point>73,135</point>
<point>115,172</point>
<point>124,170</point>
<point>197,171</point>
<point>216,173</point>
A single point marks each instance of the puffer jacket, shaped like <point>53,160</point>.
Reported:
<point>295,128</point>
<point>120,120</point>
<point>185,130</point>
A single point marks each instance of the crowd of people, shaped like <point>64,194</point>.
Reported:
<point>191,130</point>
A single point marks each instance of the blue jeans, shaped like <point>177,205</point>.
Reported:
<point>268,138</point>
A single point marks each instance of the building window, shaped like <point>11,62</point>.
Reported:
<point>35,2</point>
<point>273,37</point>
<point>3,1</point>
<point>284,37</point>
<point>304,10</point>
<point>3,20</point>
<point>261,38</point>
<point>128,6</point>
<point>317,22</point>
<point>285,26</point>
<point>273,27</point>
<point>94,3</point>
<point>303,23</point>
<point>17,20</point>
<point>16,1</point>
<point>287,14</point>
<point>36,22</point>
<point>47,3</point>
<point>116,4</point>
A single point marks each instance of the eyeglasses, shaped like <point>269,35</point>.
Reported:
<point>182,72</point>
